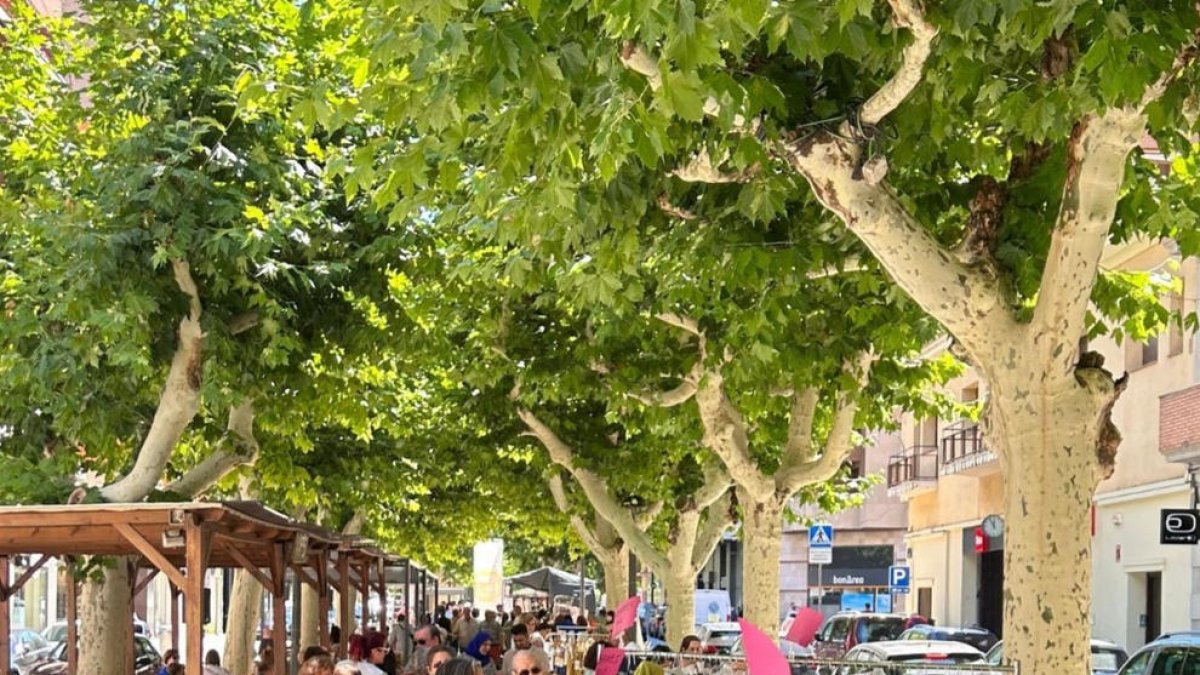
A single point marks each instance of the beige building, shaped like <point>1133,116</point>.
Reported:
<point>952,483</point>
<point>867,540</point>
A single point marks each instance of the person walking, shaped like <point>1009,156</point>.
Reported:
<point>212,664</point>
<point>480,649</point>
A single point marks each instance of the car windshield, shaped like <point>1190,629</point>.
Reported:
<point>724,634</point>
<point>1106,660</point>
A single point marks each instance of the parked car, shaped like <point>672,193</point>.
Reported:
<point>789,649</point>
<point>909,652</point>
<point>845,630</point>
<point>1107,657</point>
<point>25,648</point>
<point>57,631</point>
<point>147,660</point>
<point>1170,653</point>
<point>718,638</point>
<point>979,638</point>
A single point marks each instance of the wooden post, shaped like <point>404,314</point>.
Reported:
<point>5,628</point>
<point>323,598</point>
<point>175,593</point>
<point>364,591</point>
<point>437,586</point>
<point>422,600</point>
<point>278,607</point>
<point>383,608</point>
<point>413,619</point>
<point>343,563</point>
<point>193,597</point>
<point>72,617</point>
<point>134,587</point>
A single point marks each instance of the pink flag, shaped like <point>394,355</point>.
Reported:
<point>762,655</point>
<point>804,626</point>
<point>624,617</point>
<point>609,661</point>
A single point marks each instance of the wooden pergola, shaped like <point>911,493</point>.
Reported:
<point>182,541</point>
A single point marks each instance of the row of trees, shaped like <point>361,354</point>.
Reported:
<point>638,271</point>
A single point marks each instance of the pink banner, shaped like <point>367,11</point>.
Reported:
<point>804,626</point>
<point>624,617</point>
<point>762,655</point>
<point>609,662</point>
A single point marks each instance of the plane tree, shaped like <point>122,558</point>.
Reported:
<point>983,153</point>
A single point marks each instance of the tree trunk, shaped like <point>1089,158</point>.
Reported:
<point>762,542</point>
<point>681,603</point>
<point>310,614</point>
<point>1051,440</point>
<point>106,622</point>
<point>616,575</point>
<point>245,610</point>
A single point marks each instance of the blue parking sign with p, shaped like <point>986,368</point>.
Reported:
<point>899,578</point>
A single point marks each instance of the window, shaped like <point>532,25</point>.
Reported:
<point>1150,351</point>
<point>839,629</point>
<point>1176,329</point>
<point>1168,662</point>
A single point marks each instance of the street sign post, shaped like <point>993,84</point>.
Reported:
<point>820,551</point>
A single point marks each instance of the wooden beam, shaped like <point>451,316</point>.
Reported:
<point>5,628</point>
<point>306,576</point>
<point>343,565</point>
<point>278,625</point>
<point>24,578</point>
<point>72,617</point>
<point>253,569</point>
<point>383,617</point>
<point>364,589</point>
<point>141,585</point>
<point>322,568</point>
<point>193,598</point>
<point>152,554</point>
<point>176,592</point>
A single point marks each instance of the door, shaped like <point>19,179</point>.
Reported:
<point>991,591</point>
<point>1153,605</point>
<point>925,602</point>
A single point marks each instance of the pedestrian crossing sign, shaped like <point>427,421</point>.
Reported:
<point>820,536</point>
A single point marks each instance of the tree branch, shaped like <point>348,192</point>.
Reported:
<point>1187,55</point>
<point>581,528</point>
<point>202,477</point>
<point>665,205</point>
<point>598,494</point>
<point>966,300</point>
<point>725,434</point>
<point>646,517</point>
<point>793,475</point>
<point>667,399</point>
<point>1097,156</point>
<point>905,14</point>
<point>711,530</point>
<point>701,169</point>
<point>800,426</point>
<point>177,406</point>
<point>716,483</point>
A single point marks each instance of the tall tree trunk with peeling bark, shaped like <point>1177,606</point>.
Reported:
<point>245,615</point>
<point>762,544</point>
<point>616,575</point>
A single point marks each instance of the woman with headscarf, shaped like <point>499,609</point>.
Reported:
<point>480,649</point>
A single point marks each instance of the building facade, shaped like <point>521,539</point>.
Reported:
<point>867,540</point>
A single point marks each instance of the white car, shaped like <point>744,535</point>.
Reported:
<point>871,657</point>
<point>720,637</point>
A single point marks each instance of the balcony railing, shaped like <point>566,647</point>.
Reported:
<point>913,469</point>
<point>963,448</point>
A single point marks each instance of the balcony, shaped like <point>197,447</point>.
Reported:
<point>913,471</point>
<point>963,451</point>
<point>1179,426</point>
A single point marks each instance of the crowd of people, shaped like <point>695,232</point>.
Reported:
<point>454,641</point>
